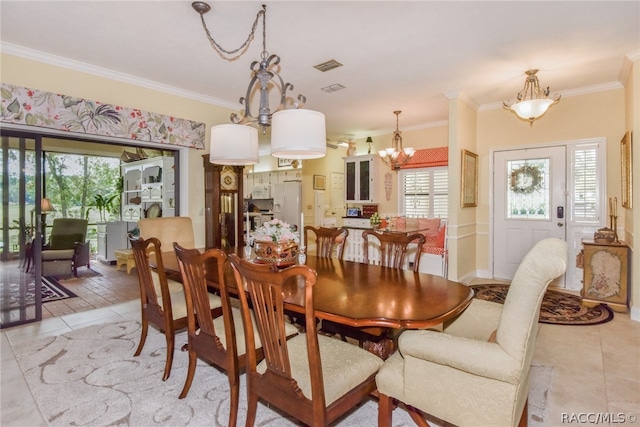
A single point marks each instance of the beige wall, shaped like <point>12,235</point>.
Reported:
<point>632,216</point>
<point>462,221</point>
<point>36,75</point>
<point>580,117</point>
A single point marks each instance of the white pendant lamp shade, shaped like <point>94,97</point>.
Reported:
<point>298,134</point>
<point>234,145</point>
<point>532,109</point>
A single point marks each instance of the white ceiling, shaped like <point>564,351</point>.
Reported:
<point>396,55</point>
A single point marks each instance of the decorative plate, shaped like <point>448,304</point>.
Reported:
<point>153,211</point>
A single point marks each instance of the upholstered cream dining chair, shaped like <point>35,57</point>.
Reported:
<point>476,371</point>
<point>168,229</point>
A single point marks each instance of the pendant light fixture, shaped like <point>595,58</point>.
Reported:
<point>288,141</point>
<point>396,156</point>
<point>532,101</point>
<point>233,144</point>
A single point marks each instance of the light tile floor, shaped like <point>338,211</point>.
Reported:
<point>596,368</point>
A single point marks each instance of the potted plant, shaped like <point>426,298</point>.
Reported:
<point>104,205</point>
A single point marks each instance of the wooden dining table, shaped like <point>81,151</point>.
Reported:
<point>365,295</point>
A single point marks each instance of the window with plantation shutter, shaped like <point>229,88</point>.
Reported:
<point>585,183</point>
<point>425,192</point>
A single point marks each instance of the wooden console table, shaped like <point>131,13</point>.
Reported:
<point>606,275</point>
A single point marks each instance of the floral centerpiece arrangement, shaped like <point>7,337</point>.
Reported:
<point>275,242</point>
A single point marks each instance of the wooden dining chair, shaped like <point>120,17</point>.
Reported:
<point>162,300</point>
<point>393,248</point>
<point>311,377</point>
<point>211,339</point>
<point>327,240</point>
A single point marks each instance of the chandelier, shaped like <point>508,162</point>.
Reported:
<point>396,156</point>
<point>297,133</point>
<point>532,101</point>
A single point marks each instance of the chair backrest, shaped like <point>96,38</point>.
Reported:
<point>265,286</point>
<point>327,239</point>
<point>393,248</point>
<point>518,322</point>
<point>153,293</point>
<point>168,229</point>
<point>73,228</point>
<point>193,267</point>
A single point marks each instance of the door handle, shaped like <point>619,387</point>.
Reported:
<point>561,224</point>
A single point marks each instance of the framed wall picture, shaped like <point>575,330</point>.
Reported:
<point>626,160</point>
<point>469,176</point>
<point>282,163</point>
<point>319,182</point>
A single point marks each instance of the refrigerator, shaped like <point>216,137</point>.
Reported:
<point>287,202</point>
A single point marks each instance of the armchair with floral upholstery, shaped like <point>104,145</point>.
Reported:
<point>476,371</point>
<point>67,249</point>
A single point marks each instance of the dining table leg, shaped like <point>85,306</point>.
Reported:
<point>385,346</point>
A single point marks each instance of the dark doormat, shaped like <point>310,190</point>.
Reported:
<point>557,308</point>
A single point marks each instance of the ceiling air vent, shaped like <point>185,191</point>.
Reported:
<point>332,88</point>
<point>328,65</point>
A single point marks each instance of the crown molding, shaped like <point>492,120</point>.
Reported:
<point>565,94</point>
<point>58,61</point>
<point>457,94</point>
<point>627,64</point>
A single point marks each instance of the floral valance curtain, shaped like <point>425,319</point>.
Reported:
<point>429,157</point>
<point>32,107</point>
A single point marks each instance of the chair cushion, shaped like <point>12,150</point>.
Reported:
<point>64,241</point>
<point>412,222</point>
<point>58,254</point>
<point>168,230</point>
<point>480,358</point>
<point>344,366</point>
<point>430,226</point>
<point>390,378</point>
<point>172,284</point>
<point>433,250</point>
<point>441,235</point>
<point>179,304</point>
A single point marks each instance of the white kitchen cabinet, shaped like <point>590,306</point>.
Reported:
<point>111,236</point>
<point>148,189</point>
<point>361,179</point>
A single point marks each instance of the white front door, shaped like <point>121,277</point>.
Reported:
<point>529,203</point>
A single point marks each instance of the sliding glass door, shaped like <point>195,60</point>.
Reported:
<point>20,230</point>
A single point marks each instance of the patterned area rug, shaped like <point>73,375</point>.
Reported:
<point>18,295</point>
<point>557,308</point>
<point>52,290</point>
<point>90,377</point>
